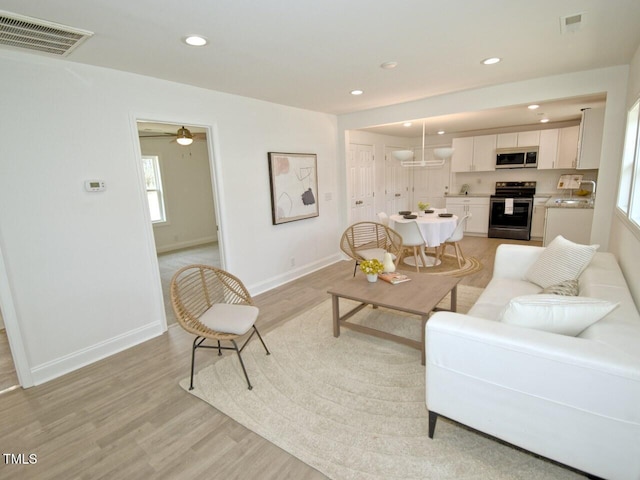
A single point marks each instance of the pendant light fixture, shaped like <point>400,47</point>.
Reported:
<point>406,157</point>
<point>184,136</point>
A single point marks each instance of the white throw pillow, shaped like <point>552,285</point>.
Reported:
<point>561,260</point>
<point>556,314</point>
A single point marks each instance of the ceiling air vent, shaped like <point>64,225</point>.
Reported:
<point>39,35</point>
<point>571,23</point>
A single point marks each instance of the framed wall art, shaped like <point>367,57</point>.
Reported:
<point>294,186</point>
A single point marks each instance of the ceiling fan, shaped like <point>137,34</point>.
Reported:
<point>183,136</point>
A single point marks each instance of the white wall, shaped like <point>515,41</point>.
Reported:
<point>625,238</point>
<point>78,272</point>
<point>612,81</point>
<point>186,181</point>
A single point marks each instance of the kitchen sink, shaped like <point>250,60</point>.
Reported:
<point>573,201</point>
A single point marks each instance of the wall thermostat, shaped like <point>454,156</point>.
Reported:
<point>94,185</point>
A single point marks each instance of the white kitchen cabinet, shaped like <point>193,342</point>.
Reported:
<point>590,138</point>
<point>518,139</point>
<point>548,148</point>
<point>507,140</point>
<point>474,154</point>
<point>462,159</point>
<point>478,207</point>
<point>538,216</point>
<point>529,139</point>
<point>484,153</point>
<point>572,223</point>
<point>567,147</point>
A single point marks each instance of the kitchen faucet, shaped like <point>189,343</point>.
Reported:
<point>593,190</point>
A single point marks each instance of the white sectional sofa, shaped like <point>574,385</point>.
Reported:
<point>573,399</point>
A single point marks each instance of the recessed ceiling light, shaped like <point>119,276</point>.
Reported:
<point>544,120</point>
<point>389,65</point>
<point>491,60</point>
<point>195,40</point>
<point>407,124</point>
<point>533,107</point>
<point>440,132</point>
<point>357,92</point>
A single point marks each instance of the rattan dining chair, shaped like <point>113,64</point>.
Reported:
<point>214,305</point>
<point>368,240</point>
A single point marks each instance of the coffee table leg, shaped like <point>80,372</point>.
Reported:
<point>424,319</point>
<point>454,299</point>
<point>336,315</point>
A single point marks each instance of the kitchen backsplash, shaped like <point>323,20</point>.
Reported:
<point>485,182</point>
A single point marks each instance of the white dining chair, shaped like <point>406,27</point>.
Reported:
<point>383,218</point>
<point>411,238</point>
<point>454,240</point>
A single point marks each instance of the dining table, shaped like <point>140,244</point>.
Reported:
<point>435,230</point>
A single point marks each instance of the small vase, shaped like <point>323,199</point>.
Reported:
<point>372,277</point>
<point>388,264</point>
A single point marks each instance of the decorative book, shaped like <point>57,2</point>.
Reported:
<point>393,277</point>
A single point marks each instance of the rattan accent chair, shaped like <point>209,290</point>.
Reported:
<point>369,240</point>
<point>214,305</point>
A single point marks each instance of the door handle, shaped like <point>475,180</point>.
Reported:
<point>398,194</point>
<point>359,202</point>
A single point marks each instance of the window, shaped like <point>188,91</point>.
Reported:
<point>628,158</point>
<point>153,182</point>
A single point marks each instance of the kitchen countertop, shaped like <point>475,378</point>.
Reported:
<point>476,195</point>
<point>552,202</point>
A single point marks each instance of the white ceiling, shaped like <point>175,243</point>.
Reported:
<point>310,54</point>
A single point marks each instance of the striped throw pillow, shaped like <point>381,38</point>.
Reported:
<point>568,288</point>
<point>561,260</point>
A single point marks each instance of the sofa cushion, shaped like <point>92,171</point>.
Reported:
<point>495,297</point>
<point>556,314</point>
<point>561,260</point>
<point>567,288</point>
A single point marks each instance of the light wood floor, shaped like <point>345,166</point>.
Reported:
<point>126,416</point>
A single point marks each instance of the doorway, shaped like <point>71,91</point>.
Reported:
<point>181,199</point>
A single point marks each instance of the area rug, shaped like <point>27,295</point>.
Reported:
<point>449,266</point>
<point>353,407</point>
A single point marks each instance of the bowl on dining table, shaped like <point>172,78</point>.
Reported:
<point>404,212</point>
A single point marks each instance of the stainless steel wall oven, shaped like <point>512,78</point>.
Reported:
<point>510,210</point>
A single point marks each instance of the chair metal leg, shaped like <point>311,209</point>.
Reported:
<point>235,346</point>
<point>262,341</point>
<point>219,349</point>
<point>193,357</point>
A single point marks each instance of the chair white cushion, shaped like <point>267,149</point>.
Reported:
<point>371,253</point>
<point>230,318</point>
<point>555,313</point>
<point>561,260</point>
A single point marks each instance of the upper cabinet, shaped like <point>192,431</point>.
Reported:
<point>474,154</point>
<point>568,147</point>
<point>590,138</point>
<point>558,148</point>
<point>519,139</point>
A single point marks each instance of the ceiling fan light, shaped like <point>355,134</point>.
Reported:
<point>184,136</point>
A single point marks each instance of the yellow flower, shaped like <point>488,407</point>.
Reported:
<point>372,267</point>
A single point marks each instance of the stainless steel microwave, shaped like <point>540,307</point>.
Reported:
<point>526,157</point>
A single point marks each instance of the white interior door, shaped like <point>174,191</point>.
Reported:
<point>430,183</point>
<point>361,178</point>
<point>397,183</point>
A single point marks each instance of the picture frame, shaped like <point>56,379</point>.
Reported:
<point>293,178</point>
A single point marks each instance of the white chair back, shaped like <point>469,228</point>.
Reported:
<point>410,233</point>
<point>384,218</point>
<point>458,233</point>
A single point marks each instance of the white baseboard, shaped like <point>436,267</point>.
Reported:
<point>73,361</point>
<point>186,244</point>
<point>293,274</point>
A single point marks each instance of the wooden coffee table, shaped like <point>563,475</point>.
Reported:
<point>419,296</point>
